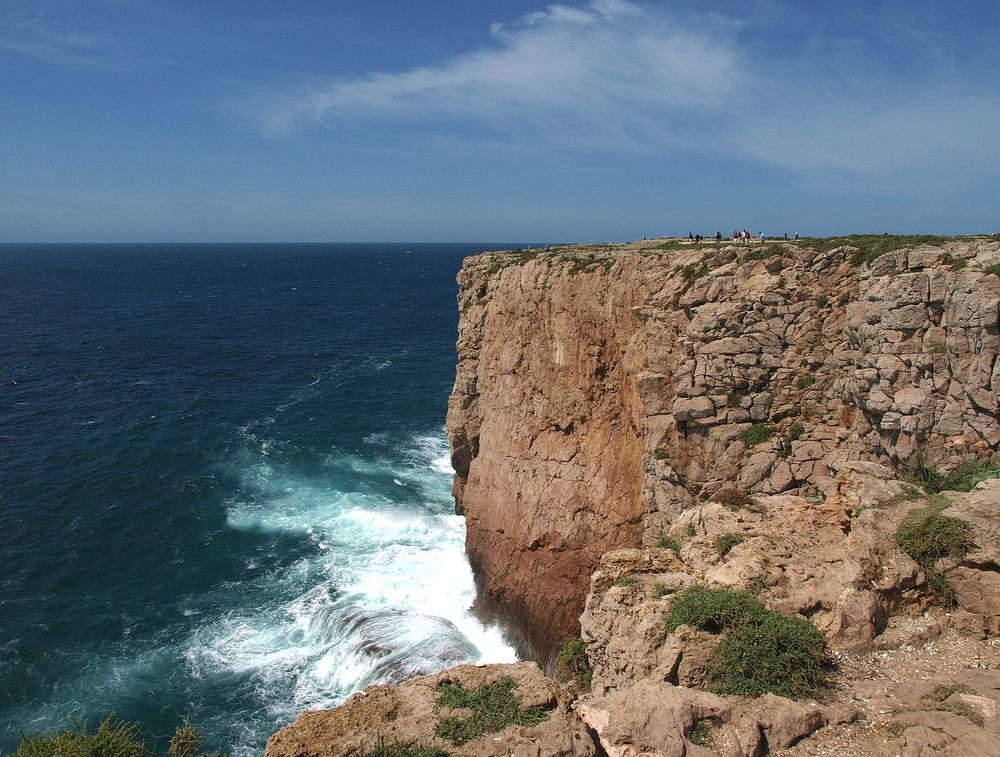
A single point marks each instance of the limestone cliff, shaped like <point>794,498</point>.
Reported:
<point>636,424</point>
<point>601,390</point>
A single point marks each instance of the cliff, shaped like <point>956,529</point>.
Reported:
<point>760,482</point>
<point>602,390</point>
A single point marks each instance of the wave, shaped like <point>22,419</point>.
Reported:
<point>385,594</point>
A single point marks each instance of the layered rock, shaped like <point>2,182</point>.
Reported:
<point>600,391</point>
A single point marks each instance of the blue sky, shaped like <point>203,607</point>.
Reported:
<point>149,120</point>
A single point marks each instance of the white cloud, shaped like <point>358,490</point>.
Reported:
<point>613,75</point>
<point>609,61</point>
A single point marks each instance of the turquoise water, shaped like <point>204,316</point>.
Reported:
<point>224,482</point>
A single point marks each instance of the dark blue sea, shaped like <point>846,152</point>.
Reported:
<point>224,483</point>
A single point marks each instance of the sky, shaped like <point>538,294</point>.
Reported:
<point>453,120</point>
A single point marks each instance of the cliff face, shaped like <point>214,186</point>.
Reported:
<point>601,391</point>
<point>547,434</point>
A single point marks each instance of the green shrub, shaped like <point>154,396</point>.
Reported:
<point>757,433</point>
<point>573,657</point>
<point>970,473</point>
<point>804,382</point>
<point>628,580</point>
<point>699,733</point>
<point>713,610</point>
<point>113,738</point>
<point>383,748</point>
<point>927,536</point>
<point>761,650</point>
<point>927,477</point>
<point>958,264</point>
<point>822,300</point>
<point>669,543</point>
<point>992,269</point>
<point>777,654</point>
<point>494,707</point>
<point>660,454</point>
<point>724,543</point>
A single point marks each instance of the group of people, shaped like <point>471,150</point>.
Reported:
<point>743,237</point>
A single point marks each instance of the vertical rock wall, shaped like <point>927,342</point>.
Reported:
<point>600,391</point>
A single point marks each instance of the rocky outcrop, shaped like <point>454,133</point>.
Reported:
<point>410,714</point>
<point>600,392</point>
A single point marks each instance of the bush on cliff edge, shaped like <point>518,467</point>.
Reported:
<point>761,651</point>
<point>113,738</point>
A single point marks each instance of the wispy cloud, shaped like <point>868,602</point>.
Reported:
<point>620,75</point>
<point>39,36</point>
<point>609,61</point>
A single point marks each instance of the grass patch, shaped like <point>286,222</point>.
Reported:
<point>945,690</point>
<point>804,382</point>
<point>927,536</point>
<point>936,700</point>
<point>660,454</point>
<point>383,748</point>
<point>958,264</point>
<point>724,543</point>
<point>992,269</point>
<point>573,657</point>
<point>761,650</point>
<point>699,733</point>
<point>668,542</point>
<point>963,479</point>
<point>113,738</point>
<point>628,580</point>
<point>757,433</point>
<point>493,707</point>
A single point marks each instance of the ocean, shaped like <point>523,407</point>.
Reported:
<point>225,483</point>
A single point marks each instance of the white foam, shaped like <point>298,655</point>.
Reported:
<point>386,594</point>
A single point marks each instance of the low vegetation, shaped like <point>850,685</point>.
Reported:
<point>793,434</point>
<point>668,542</point>
<point>627,581</point>
<point>761,651</point>
<point>573,657</point>
<point>736,499</point>
<point>993,269</point>
<point>756,434</point>
<point>937,700</point>
<point>113,738</point>
<point>492,706</point>
<point>804,382</point>
<point>927,536</point>
<point>383,748</point>
<point>724,543</point>
<point>699,734</point>
<point>963,479</point>
<point>869,247</point>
